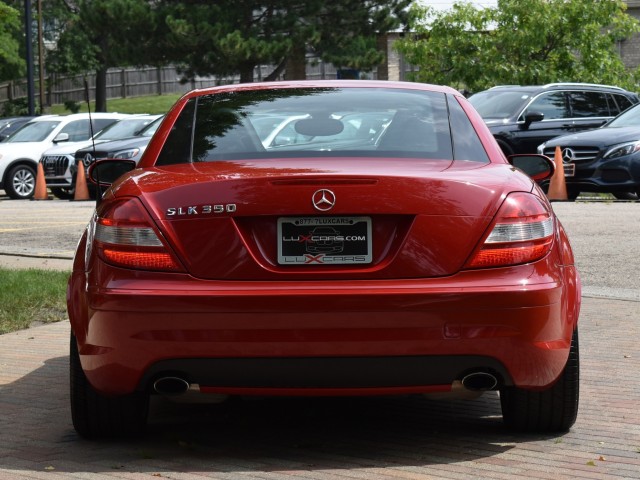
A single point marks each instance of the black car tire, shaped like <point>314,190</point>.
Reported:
<point>626,196</point>
<point>20,182</point>
<point>63,193</point>
<point>95,415</point>
<point>572,194</point>
<point>552,410</point>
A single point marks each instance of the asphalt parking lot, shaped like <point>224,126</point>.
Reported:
<point>379,438</point>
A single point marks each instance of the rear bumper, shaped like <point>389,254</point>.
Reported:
<point>268,335</point>
<point>313,375</point>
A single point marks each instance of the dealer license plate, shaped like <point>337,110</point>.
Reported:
<point>324,240</point>
<point>569,169</point>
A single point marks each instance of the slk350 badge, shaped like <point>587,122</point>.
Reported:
<point>201,210</point>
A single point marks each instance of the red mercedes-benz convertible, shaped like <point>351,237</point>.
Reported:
<point>323,238</point>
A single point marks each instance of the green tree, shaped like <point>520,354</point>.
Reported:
<point>346,33</point>
<point>224,37</point>
<point>516,42</point>
<point>234,36</point>
<point>101,34</point>
<point>12,65</point>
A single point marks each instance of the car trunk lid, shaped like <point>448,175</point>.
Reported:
<point>379,218</point>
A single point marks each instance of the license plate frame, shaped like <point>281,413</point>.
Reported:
<point>335,240</point>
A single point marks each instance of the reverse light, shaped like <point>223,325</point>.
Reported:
<point>622,150</point>
<point>125,237</point>
<point>522,233</point>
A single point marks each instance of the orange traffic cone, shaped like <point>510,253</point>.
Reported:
<point>40,192</point>
<point>82,191</point>
<point>558,185</point>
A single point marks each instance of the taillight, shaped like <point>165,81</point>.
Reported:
<point>125,236</point>
<point>522,233</point>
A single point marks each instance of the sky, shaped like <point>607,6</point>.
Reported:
<point>445,4</point>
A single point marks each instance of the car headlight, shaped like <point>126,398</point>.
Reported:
<point>622,150</point>
<point>125,154</point>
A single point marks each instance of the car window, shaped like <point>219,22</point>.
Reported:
<point>623,102</point>
<point>151,129</point>
<point>34,132</point>
<point>553,105</point>
<point>286,134</point>
<point>325,122</point>
<point>466,144</point>
<point>127,127</point>
<point>588,104</point>
<point>101,123</point>
<point>498,103</point>
<point>177,148</point>
<point>78,130</point>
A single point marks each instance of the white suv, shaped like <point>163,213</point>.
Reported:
<point>21,152</point>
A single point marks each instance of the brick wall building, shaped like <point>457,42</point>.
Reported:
<point>630,49</point>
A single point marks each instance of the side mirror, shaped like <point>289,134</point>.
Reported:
<point>105,172</point>
<point>538,167</point>
<point>61,137</point>
<point>531,117</point>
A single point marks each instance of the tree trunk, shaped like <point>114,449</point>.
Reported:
<point>101,90</point>
<point>246,73</point>
<point>273,76</point>
<point>297,64</point>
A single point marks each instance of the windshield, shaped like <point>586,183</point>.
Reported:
<point>128,127</point>
<point>34,132</point>
<point>150,129</point>
<point>499,104</point>
<point>630,118</point>
<point>312,122</point>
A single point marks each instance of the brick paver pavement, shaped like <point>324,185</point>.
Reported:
<point>340,439</point>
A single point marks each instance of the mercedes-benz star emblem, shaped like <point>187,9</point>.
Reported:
<point>88,158</point>
<point>568,155</point>
<point>323,200</point>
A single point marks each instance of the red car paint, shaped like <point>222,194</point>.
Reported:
<point>226,297</point>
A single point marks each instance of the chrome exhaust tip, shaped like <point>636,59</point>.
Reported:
<point>479,381</point>
<point>170,386</point>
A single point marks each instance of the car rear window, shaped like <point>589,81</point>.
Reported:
<point>623,102</point>
<point>312,122</point>
<point>588,104</point>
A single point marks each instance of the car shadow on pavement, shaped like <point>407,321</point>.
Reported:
<point>249,435</point>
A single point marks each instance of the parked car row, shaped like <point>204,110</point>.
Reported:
<point>61,163</point>
<point>54,140</point>
<point>522,119</point>
<point>597,128</point>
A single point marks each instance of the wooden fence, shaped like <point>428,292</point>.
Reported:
<point>136,82</point>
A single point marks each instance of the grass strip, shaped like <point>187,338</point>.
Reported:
<point>29,297</point>
<point>148,104</point>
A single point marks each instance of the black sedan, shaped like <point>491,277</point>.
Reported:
<point>603,160</point>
